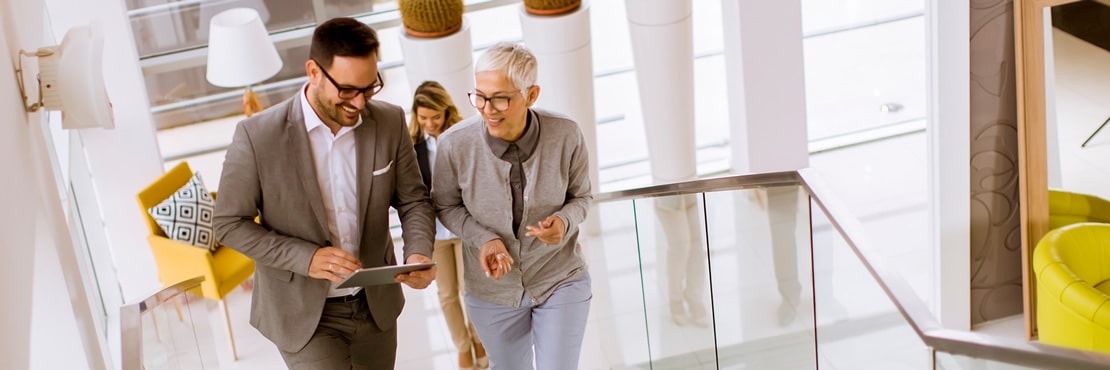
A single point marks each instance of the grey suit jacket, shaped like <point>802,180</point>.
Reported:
<point>268,171</point>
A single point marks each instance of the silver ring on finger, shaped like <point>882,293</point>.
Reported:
<point>329,267</point>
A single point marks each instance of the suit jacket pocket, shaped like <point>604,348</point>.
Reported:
<point>383,170</point>
<point>277,274</point>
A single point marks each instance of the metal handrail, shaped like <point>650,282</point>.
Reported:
<point>912,309</point>
<point>131,319</point>
<point>724,183</point>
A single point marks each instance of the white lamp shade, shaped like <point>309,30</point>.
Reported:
<point>240,52</point>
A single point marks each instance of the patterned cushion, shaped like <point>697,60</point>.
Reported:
<point>187,215</point>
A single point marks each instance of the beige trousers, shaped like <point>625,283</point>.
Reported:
<point>447,255</point>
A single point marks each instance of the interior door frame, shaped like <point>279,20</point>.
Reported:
<point>1029,47</point>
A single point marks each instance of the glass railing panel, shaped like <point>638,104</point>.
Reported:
<point>676,282</point>
<point>759,258</point>
<point>948,361</point>
<point>616,323</point>
<point>858,325</point>
<point>170,330</point>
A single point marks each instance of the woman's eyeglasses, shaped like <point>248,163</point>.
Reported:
<point>499,103</point>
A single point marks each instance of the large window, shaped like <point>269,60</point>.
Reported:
<point>864,71</point>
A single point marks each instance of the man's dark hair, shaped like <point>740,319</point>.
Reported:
<point>345,37</point>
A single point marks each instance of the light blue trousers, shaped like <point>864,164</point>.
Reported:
<point>554,327</point>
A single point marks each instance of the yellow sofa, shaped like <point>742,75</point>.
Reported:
<point>1072,266</point>
<point>1066,208</point>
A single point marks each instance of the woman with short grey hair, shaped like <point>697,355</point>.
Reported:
<point>514,184</point>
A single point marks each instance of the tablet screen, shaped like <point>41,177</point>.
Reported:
<point>381,275</point>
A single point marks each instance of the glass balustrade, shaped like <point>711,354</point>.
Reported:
<point>767,272</point>
<point>617,315</point>
<point>730,279</point>
<point>858,324</point>
<point>170,330</point>
<point>759,258</point>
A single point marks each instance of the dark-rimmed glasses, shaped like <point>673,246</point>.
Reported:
<point>498,103</point>
<point>347,93</point>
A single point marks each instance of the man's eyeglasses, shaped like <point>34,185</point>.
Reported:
<point>499,103</point>
<point>347,93</point>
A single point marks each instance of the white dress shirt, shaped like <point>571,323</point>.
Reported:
<point>337,174</point>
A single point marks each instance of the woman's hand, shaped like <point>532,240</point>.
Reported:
<point>549,231</point>
<point>495,259</point>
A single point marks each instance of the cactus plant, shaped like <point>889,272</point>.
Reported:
<point>431,18</point>
<point>551,7</point>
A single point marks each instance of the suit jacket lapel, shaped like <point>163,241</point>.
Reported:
<point>365,144</point>
<point>297,140</point>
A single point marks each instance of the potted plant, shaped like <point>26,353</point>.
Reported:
<point>431,18</point>
<point>551,7</point>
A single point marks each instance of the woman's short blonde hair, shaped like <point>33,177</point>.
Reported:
<point>432,95</point>
<point>518,63</point>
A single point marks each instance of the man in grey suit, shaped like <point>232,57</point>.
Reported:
<point>321,170</point>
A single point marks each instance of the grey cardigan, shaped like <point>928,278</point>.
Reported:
<point>473,198</point>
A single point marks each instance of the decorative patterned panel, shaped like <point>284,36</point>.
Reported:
<point>995,228</point>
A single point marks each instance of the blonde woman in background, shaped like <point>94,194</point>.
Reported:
<point>433,112</point>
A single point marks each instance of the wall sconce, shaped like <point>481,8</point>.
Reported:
<point>71,79</point>
<point>240,53</point>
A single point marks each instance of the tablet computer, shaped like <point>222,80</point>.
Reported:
<point>381,275</point>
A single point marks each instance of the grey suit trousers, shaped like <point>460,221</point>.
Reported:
<point>346,338</point>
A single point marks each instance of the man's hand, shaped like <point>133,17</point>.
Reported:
<point>331,263</point>
<point>495,259</point>
<point>549,231</point>
<point>419,279</point>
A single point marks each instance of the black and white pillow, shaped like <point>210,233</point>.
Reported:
<point>187,215</point>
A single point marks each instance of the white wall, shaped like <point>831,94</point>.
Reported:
<point>122,160</point>
<point>125,159</point>
<point>948,73</point>
<point>18,197</point>
<point>54,327</point>
<point>32,223</point>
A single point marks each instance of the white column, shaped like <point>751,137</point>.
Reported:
<point>948,71</point>
<point>566,74</point>
<point>765,78</point>
<point>662,44</point>
<point>766,85</point>
<point>448,60</point>
<point>126,159</point>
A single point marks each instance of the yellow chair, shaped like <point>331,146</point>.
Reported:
<point>1072,266</point>
<point>1066,208</point>
<point>223,270</point>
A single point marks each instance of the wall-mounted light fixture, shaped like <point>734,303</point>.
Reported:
<point>71,79</point>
